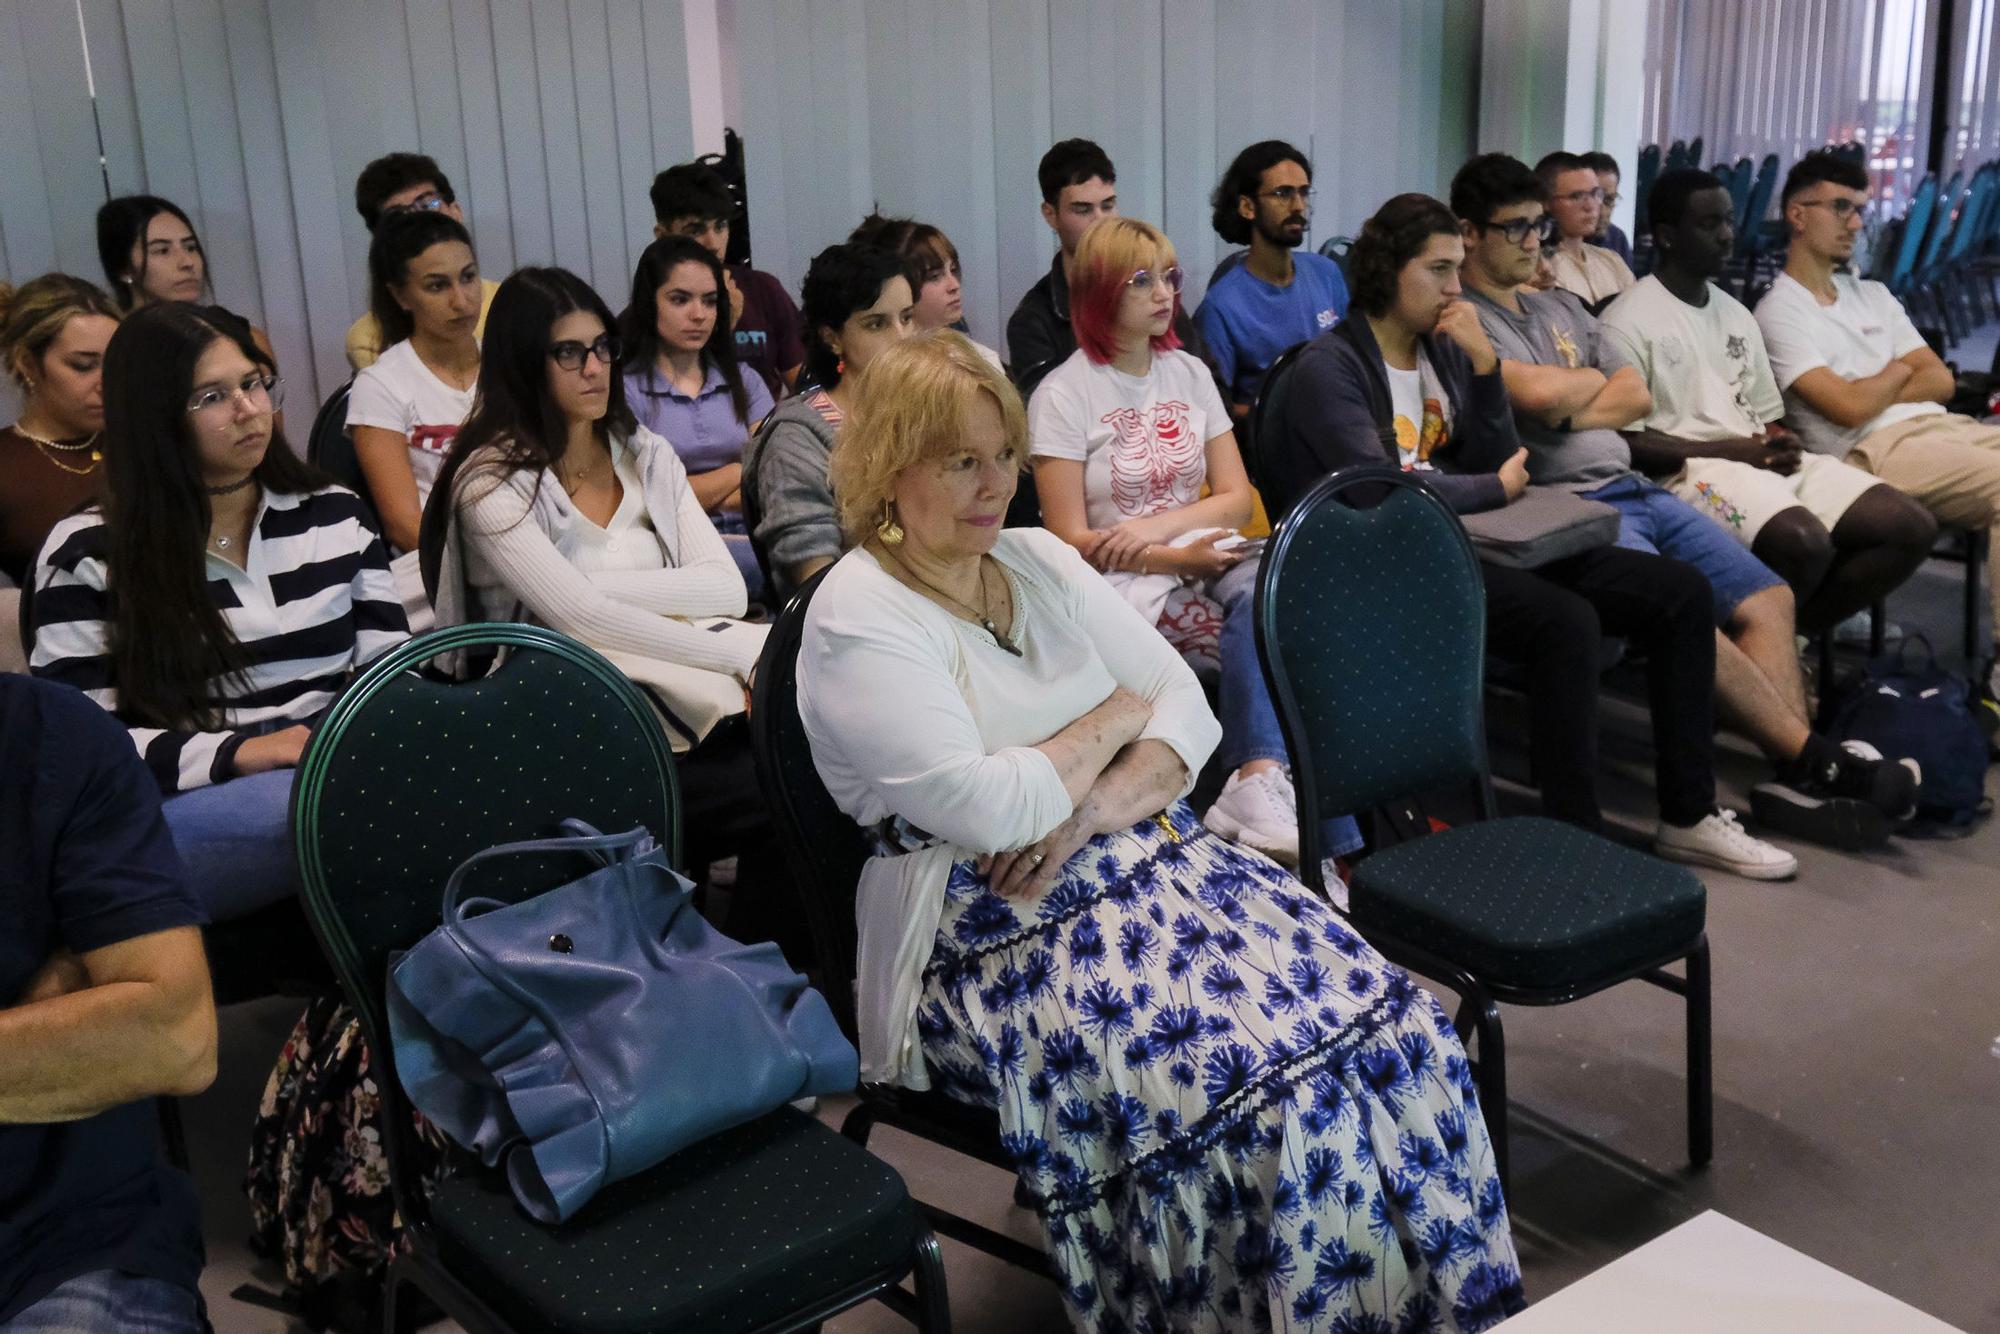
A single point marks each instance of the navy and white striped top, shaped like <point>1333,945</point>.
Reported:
<point>314,601</point>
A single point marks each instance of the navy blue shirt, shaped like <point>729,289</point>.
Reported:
<point>85,862</point>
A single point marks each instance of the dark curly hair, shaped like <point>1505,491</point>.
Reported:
<point>841,280</point>
<point>1245,174</point>
<point>1392,238</point>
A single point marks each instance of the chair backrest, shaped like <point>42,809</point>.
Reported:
<point>1335,248</point>
<point>1694,151</point>
<point>1677,156</point>
<point>1268,410</point>
<point>1371,628</point>
<point>330,449</point>
<point>1948,201</point>
<point>1648,171</point>
<point>409,774</point>
<point>1972,216</point>
<point>1750,234</point>
<point>1225,264</point>
<point>1738,179</point>
<point>823,849</point>
<point>1916,221</point>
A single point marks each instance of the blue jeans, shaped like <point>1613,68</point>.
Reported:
<point>236,839</point>
<point>737,538</point>
<point>1249,722</point>
<point>112,1301</point>
<point>1656,521</point>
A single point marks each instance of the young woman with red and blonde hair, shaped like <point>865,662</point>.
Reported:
<point>1137,468</point>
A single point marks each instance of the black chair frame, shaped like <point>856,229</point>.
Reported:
<point>1478,1013</point>
<point>825,852</point>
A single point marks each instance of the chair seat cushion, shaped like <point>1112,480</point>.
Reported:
<point>1530,903</point>
<point>732,1234</point>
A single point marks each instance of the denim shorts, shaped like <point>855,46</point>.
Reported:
<point>1656,521</point>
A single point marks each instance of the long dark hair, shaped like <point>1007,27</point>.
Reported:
<point>400,238</point>
<point>841,280</point>
<point>513,411</point>
<point>639,326</point>
<point>169,642</point>
<point>121,224</point>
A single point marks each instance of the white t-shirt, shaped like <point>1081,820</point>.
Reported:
<point>397,392</point>
<point>1706,365</point>
<point>1142,440</point>
<point>1860,333</point>
<point>1419,422</point>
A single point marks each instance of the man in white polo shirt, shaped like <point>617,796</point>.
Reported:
<point>1841,537</point>
<point>1860,383</point>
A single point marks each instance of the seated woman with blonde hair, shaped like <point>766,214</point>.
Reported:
<point>1230,1111</point>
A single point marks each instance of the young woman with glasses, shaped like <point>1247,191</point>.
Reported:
<point>556,506</point>
<point>217,600</point>
<point>1126,436</point>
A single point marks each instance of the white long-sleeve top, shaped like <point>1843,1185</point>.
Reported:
<point>916,713</point>
<point>514,541</point>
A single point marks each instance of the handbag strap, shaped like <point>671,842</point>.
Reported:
<point>603,848</point>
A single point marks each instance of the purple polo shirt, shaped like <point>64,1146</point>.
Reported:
<point>704,430</point>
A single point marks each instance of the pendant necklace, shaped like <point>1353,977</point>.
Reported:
<point>979,614</point>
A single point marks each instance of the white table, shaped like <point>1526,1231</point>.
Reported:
<point>1714,1275</point>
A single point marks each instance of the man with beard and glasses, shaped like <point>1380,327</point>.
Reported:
<point>1272,299</point>
<point>1573,392</point>
<point>1840,537</point>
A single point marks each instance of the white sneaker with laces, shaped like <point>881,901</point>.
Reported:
<point>1260,813</point>
<point>1721,842</point>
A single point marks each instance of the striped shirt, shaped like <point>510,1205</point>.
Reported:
<point>314,601</point>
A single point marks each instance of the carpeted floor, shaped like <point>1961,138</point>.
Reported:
<point>1856,1098</point>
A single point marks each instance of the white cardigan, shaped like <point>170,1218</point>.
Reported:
<point>502,552</point>
<point>912,711</point>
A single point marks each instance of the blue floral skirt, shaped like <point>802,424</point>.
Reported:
<point>1233,1113</point>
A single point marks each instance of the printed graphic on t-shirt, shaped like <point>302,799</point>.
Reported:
<point>433,439</point>
<point>1154,454</point>
<point>1566,347</point>
<point>1415,443</point>
<point>1326,318</point>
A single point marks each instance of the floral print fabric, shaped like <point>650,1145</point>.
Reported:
<point>1233,1113</point>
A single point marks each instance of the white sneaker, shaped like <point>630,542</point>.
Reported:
<point>1721,842</point>
<point>1855,631</point>
<point>1259,812</point>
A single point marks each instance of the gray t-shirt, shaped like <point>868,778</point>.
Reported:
<point>1553,329</point>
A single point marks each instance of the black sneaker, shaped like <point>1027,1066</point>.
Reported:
<point>1852,799</point>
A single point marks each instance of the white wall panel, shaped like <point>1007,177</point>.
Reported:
<point>550,117</point>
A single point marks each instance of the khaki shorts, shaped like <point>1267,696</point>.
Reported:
<point>1743,499</point>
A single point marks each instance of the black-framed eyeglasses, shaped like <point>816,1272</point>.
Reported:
<point>428,202</point>
<point>1144,279</point>
<point>1842,208</point>
<point>1289,194</point>
<point>569,353</point>
<point>264,393</point>
<point>1517,231</point>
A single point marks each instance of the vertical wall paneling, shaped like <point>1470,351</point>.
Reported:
<point>1018,90</point>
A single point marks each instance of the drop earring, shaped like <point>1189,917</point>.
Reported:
<point>840,367</point>
<point>889,530</point>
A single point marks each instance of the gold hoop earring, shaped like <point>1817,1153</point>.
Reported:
<point>889,530</point>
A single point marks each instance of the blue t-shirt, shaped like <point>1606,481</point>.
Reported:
<point>1247,322</point>
<point>85,861</point>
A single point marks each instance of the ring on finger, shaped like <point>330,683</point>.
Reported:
<point>1038,859</point>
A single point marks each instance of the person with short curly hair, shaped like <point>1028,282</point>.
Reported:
<point>1272,298</point>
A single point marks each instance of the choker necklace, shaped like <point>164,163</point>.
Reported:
<point>231,489</point>
<point>979,614</point>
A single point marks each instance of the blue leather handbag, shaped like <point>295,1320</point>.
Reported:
<point>586,1033</point>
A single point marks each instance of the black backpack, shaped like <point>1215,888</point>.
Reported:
<point>1906,705</point>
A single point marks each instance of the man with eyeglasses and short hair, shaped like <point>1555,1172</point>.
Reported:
<point>1576,202</point>
<point>1609,234</point>
<point>1272,298</point>
<point>403,183</point>
<point>1860,382</point>
<point>1572,393</point>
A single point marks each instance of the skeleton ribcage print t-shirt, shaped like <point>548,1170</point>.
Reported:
<point>1142,440</point>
